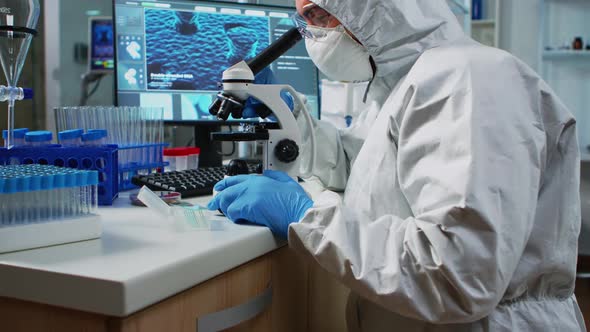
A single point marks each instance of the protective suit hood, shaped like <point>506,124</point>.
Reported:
<point>395,32</point>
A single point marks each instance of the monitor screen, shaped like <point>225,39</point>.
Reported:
<point>101,50</point>
<point>172,54</point>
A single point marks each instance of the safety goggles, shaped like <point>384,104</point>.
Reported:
<point>313,15</point>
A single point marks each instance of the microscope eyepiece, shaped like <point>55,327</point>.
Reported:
<point>275,50</point>
<point>224,104</point>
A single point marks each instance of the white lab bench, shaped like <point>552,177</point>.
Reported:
<point>143,275</point>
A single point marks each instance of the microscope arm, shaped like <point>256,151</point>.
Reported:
<point>270,96</point>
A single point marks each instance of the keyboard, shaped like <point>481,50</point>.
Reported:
<point>189,183</point>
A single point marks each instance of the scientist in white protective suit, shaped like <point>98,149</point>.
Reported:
<point>461,207</point>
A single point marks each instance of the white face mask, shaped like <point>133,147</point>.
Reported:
<point>339,56</point>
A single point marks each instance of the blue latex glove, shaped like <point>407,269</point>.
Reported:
<point>272,199</point>
<point>266,76</point>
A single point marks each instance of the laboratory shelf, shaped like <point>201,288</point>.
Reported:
<point>566,54</point>
<point>483,22</point>
<point>486,29</point>
<point>462,9</point>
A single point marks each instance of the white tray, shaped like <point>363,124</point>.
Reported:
<point>21,237</point>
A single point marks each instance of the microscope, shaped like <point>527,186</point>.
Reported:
<point>281,139</point>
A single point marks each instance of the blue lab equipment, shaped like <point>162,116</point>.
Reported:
<point>103,132</point>
<point>39,138</point>
<point>138,132</point>
<point>35,193</point>
<point>19,136</point>
<point>273,200</point>
<point>72,137</point>
<point>99,158</point>
<point>7,92</point>
<point>93,138</point>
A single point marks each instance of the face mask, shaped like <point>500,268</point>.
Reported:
<point>339,56</point>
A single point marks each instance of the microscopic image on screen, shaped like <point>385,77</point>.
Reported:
<point>196,106</point>
<point>190,51</point>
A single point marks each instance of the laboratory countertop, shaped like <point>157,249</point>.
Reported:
<point>139,260</point>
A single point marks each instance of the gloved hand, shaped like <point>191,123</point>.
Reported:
<point>266,76</point>
<point>272,199</point>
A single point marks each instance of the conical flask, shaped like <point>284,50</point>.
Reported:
<point>18,21</point>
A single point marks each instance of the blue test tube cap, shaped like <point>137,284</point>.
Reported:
<point>24,184</point>
<point>39,136</point>
<point>70,134</point>
<point>59,180</point>
<point>81,179</point>
<point>91,136</point>
<point>18,133</point>
<point>47,182</point>
<point>36,182</point>
<point>92,178</point>
<point>70,180</point>
<point>11,185</point>
<point>102,132</point>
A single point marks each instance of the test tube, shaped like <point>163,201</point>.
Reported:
<point>160,139</point>
<point>3,207</point>
<point>48,196</point>
<point>58,199</point>
<point>22,205</point>
<point>132,133</point>
<point>103,132</point>
<point>70,137</point>
<point>119,116</point>
<point>35,187</point>
<point>38,138</point>
<point>82,179</point>
<point>19,136</point>
<point>93,138</point>
<point>112,118</point>
<point>100,119</point>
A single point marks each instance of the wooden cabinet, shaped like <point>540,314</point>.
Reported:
<point>583,286</point>
<point>178,313</point>
<point>305,298</point>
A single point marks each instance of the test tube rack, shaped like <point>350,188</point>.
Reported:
<point>114,176</point>
<point>102,159</point>
<point>42,205</point>
<point>133,153</point>
<point>137,131</point>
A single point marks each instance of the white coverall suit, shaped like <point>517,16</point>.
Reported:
<point>461,208</point>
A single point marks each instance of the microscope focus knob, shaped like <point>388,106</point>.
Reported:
<point>287,151</point>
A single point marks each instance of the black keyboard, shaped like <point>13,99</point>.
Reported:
<point>189,183</point>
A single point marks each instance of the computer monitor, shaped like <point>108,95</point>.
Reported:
<point>101,58</point>
<point>172,54</point>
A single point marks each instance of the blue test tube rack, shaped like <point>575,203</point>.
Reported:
<point>130,168</point>
<point>114,176</point>
<point>102,159</point>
